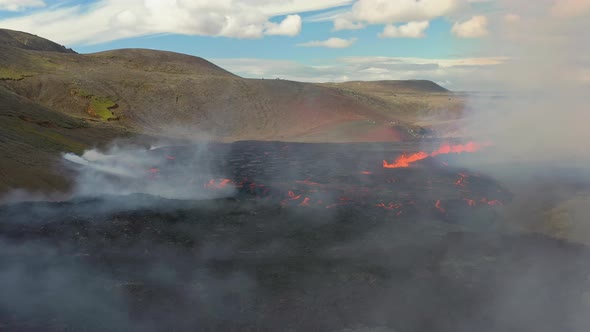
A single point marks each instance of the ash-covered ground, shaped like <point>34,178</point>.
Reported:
<point>286,237</point>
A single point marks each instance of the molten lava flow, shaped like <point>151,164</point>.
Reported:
<point>405,160</point>
<point>461,181</point>
<point>492,202</point>
<point>308,182</point>
<point>213,184</point>
<point>291,196</point>
<point>337,204</point>
<point>390,206</point>
<point>153,172</point>
<point>439,207</point>
<point>470,202</point>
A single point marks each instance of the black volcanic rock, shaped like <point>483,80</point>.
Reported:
<point>245,265</point>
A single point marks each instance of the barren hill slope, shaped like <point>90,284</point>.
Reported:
<point>27,41</point>
<point>180,94</point>
<point>139,91</point>
<point>419,105</point>
<point>32,138</point>
<point>408,86</point>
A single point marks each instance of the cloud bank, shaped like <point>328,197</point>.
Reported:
<point>472,28</point>
<point>409,30</point>
<point>403,18</point>
<point>386,11</point>
<point>18,5</point>
<point>107,20</point>
<point>330,43</point>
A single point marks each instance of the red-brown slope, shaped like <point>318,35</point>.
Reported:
<point>179,95</point>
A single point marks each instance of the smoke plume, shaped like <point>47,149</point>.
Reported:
<point>157,170</point>
<point>539,118</point>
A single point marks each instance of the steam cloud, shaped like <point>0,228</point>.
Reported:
<point>540,118</point>
<point>124,170</point>
<point>537,123</point>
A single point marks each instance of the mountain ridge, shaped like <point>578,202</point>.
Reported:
<point>139,92</point>
<point>24,40</point>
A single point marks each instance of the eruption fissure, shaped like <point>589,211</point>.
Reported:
<point>406,160</point>
<point>178,172</point>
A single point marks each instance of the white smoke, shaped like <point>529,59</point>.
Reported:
<point>168,172</point>
<point>542,119</point>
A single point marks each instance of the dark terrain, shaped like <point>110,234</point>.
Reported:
<point>259,259</point>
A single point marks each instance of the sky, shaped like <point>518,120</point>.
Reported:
<point>457,43</point>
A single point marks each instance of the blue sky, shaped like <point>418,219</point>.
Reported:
<point>448,41</point>
<point>439,43</point>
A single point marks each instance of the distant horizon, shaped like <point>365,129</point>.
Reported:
<point>459,44</point>
<point>311,41</point>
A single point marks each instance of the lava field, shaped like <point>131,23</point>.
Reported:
<point>331,175</point>
<point>290,237</point>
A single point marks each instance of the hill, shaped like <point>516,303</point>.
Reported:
<point>31,42</point>
<point>130,92</point>
<point>31,139</point>
<point>408,86</point>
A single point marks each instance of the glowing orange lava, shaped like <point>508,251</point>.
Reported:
<point>461,181</point>
<point>405,160</point>
<point>390,206</point>
<point>305,202</point>
<point>439,207</point>
<point>470,202</point>
<point>491,203</point>
<point>308,182</point>
<point>213,184</point>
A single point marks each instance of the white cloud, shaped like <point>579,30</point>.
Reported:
<point>343,23</point>
<point>570,8</point>
<point>17,5</point>
<point>391,13</point>
<point>447,63</point>
<point>409,30</point>
<point>511,18</point>
<point>330,43</point>
<point>341,18</point>
<point>329,15</point>
<point>475,27</point>
<point>283,7</point>
<point>107,20</point>
<point>290,26</point>
<point>388,11</point>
